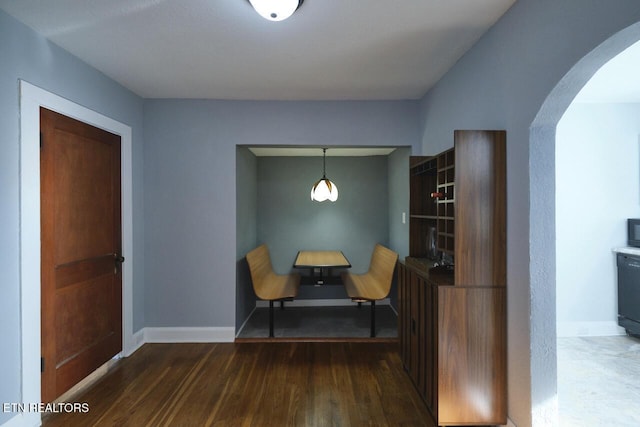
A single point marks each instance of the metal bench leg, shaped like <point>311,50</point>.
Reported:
<point>281,304</point>
<point>373,318</point>
<point>270,319</point>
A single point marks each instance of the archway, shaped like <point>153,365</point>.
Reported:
<point>542,222</point>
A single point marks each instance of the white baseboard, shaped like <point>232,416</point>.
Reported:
<point>588,329</point>
<point>138,341</point>
<point>344,302</point>
<point>187,334</point>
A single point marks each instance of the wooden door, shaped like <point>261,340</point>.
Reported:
<point>81,234</point>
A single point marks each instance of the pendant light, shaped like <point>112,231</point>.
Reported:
<point>276,10</point>
<point>324,189</point>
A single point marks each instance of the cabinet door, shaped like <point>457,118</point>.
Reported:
<point>404,321</point>
<point>472,356</point>
<point>430,347</point>
<point>415,338</point>
<point>480,209</point>
<point>421,315</point>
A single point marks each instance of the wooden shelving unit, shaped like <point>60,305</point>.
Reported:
<point>446,202</point>
<point>452,322</point>
<point>422,208</point>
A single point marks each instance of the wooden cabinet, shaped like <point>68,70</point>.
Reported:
<point>471,355</point>
<point>418,331</point>
<point>422,207</point>
<point>452,323</point>
<point>432,203</point>
<point>480,212</point>
<point>446,201</point>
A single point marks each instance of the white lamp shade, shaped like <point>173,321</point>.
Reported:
<point>324,190</point>
<point>275,10</point>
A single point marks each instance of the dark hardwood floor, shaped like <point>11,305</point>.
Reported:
<point>254,384</point>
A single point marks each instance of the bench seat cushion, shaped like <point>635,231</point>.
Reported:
<point>278,286</point>
<point>364,287</point>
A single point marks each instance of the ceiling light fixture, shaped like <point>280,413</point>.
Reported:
<point>324,189</point>
<point>276,10</point>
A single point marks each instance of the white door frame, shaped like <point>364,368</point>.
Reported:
<point>31,99</point>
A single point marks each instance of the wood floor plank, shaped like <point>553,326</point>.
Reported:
<point>254,384</point>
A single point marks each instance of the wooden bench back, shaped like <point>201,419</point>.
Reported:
<point>375,284</point>
<point>266,283</point>
<point>260,267</point>
<point>383,264</point>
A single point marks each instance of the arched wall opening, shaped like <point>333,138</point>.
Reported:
<point>542,231</point>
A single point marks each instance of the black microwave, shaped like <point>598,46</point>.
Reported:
<point>633,225</point>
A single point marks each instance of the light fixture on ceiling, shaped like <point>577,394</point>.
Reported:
<point>276,10</point>
<point>324,189</point>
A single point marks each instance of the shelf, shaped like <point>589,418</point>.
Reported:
<point>423,210</point>
<point>446,205</point>
<point>423,216</point>
<point>422,169</point>
<point>419,161</point>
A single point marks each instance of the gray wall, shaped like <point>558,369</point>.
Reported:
<point>28,56</point>
<point>398,164</point>
<point>502,83</point>
<point>246,230</point>
<point>190,188</point>
<point>398,181</point>
<point>371,189</point>
<point>520,77</point>
<point>289,221</point>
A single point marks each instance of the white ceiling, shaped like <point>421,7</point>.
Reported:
<point>222,49</point>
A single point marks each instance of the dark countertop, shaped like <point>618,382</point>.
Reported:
<point>439,276</point>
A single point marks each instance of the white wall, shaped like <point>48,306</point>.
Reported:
<point>597,188</point>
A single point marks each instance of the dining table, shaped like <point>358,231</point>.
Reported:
<point>319,262</point>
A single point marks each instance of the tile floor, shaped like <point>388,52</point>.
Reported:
<point>599,381</point>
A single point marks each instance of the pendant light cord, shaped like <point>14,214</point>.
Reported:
<point>324,163</point>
